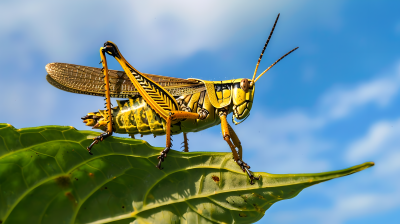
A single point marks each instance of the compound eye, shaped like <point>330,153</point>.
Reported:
<point>244,85</point>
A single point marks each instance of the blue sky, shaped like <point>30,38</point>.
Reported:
<point>331,104</point>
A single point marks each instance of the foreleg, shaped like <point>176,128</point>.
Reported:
<point>235,141</point>
<point>227,138</point>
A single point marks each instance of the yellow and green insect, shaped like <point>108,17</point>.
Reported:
<point>160,105</point>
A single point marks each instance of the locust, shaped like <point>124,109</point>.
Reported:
<point>160,105</point>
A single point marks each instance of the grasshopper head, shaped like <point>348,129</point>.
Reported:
<point>242,97</point>
<point>243,89</point>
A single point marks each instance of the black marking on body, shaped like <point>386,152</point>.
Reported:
<point>183,103</point>
<point>218,87</point>
<point>142,79</point>
<point>200,102</point>
<point>226,86</point>
<point>221,88</point>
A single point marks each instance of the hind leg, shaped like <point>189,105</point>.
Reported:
<point>108,117</point>
<point>185,143</point>
<point>174,115</point>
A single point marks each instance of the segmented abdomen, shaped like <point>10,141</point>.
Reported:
<point>135,116</point>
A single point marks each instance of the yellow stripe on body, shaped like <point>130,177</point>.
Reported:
<point>161,107</point>
<point>212,95</point>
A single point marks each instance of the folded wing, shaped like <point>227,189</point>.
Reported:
<point>89,80</point>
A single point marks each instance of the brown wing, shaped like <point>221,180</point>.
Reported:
<point>89,80</point>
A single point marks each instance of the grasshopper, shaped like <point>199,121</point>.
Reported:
<point>160,105</point>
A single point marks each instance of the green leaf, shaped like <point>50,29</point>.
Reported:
<point>47,176</point>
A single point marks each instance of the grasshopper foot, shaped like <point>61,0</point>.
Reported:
<point>246,168</point>
<point>101,137</point>
<point>162,156</point>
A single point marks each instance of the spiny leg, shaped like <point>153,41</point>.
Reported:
<point>185,143</point>
<point>108,117</point>
<point>235,141</point>
<point>158,98</point>
<point>227,138</point>
<point>174,115</point>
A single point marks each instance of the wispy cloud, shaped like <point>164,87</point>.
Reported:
<point>381,135</point>
<point>341,102</point>
<point>279,142</point>
<point>344,208</point>
<point>155,31</point>
<point>381,142</point>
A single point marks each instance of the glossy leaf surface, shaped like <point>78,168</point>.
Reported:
<point>47,176</point>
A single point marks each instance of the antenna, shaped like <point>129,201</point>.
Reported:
<point>265,46</point>
<point>275,63</point>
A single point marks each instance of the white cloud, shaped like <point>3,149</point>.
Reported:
<point>390,164</point>
<point>148,31</point>
<point>278,142</point>
<point>380,136</point>
<point>376,192</point>
<point>341,102</point>
<point>382,144</point>
<point>29,104</point>
<point>369,193</point>
<point>344,208</point>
